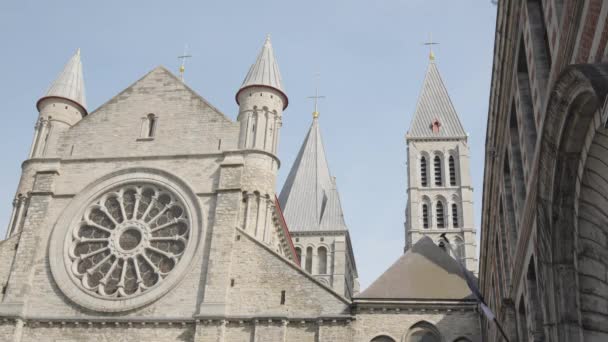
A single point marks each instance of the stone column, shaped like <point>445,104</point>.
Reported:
<point>9,229</point>
<point>36,135</point>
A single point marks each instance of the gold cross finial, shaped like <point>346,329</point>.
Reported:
<point>182,67</point>
<point>316,98</point>
<point>430,44</point>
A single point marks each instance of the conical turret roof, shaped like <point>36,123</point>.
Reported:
<point>70,83</point>
<point>434,105</point>
<point>264,72</point>
<point>309,197</point>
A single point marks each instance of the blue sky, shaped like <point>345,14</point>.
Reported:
<point>369,54</point>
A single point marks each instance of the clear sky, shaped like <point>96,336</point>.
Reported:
<point>369,54</point>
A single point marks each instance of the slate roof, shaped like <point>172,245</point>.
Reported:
<point>434,103</point>
<point>69,84</point>
<point>425,271</point>
<point>265,71</point>
<point>310,198</point>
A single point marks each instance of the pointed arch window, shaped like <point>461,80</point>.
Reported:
<point>322,259</point>
<point>455,218</point>
<point>423,173</point>
<point>425,216</point>
<point>437,166</point>
<point>440,218</point>
<point>452,171</point>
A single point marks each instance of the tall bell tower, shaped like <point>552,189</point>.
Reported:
<point>440,192</point>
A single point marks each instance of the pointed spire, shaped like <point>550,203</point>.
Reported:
<point>435,116</point>
<point>69,84</point>
<point>264,72</point>
<point>309,198</point>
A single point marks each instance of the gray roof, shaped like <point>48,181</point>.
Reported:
<point>309,197</point>
<point>265,71</point>
<point>425,271</point>
<point>69,84</point>
<point>434,103</point>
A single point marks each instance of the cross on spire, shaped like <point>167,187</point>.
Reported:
<point>316,97</point>
<point>182,67</point>
<point>430,44</point>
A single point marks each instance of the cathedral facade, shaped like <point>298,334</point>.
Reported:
<point>156,217</point>
<point>544,237</point>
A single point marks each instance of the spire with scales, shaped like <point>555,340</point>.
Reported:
<point>435,116</point>
<point>69,84</point>
<point>310,198</point>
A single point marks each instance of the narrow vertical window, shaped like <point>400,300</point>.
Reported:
<point>437,164</point>
<point>455,221</point>
<point>322,259</point>
<point>423,180</point>
<point>425,216</point>
<point>151,125</point>
<point>452,171</point>
<point>440,219</point>
<point>308,266</point>
<point>299,254</point>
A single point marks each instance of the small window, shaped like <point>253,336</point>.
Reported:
<point>151,125</point>
<point>455,221</point>
<point>452,171</point>
<point>425,216</point>
<point>299,254</point>
<point>148,126</point>
<point>423,180</point>
<point>437,164</point>
<point>440,219</point>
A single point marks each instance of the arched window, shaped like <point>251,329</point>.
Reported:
<point>151,125</point>
<point>423,174</point>
<point>382,338</point>
<point>440,218</point>
<point>452,171</point>
<point>322,259</point>
<point>423,332</point>
<point>455,221</point>
<point>425,216</point>
<point>459,249</point>
<point>437,165</point>
<point>299,254</point>
<point>308,265</point>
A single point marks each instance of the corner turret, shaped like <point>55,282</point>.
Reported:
<point>62,106</point>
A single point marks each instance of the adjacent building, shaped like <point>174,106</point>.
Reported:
<point>544,234</point>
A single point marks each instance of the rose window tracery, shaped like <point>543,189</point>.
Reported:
<point>128,240</point>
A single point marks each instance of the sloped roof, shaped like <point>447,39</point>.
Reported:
<point>425,271</point>
<point>69,84</point>
<point>265,71</point>
<point>434,104</point>
<point>309,197</point>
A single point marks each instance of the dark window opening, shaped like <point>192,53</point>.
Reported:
<point>455,215</point>
<point>437,164</point>
<point>440,220</point>
<point>423,180</point>
<point>425,216</point>
<point>452,171</point>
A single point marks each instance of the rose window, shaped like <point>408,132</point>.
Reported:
<point>128,240</point>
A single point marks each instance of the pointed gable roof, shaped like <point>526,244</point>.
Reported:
<point>434,104</point>
<point>264,72</point>
<point>69,84</point>
<point>425,271</point>
<point>309,197</point>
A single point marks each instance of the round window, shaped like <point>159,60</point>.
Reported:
<point>125,245</point>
